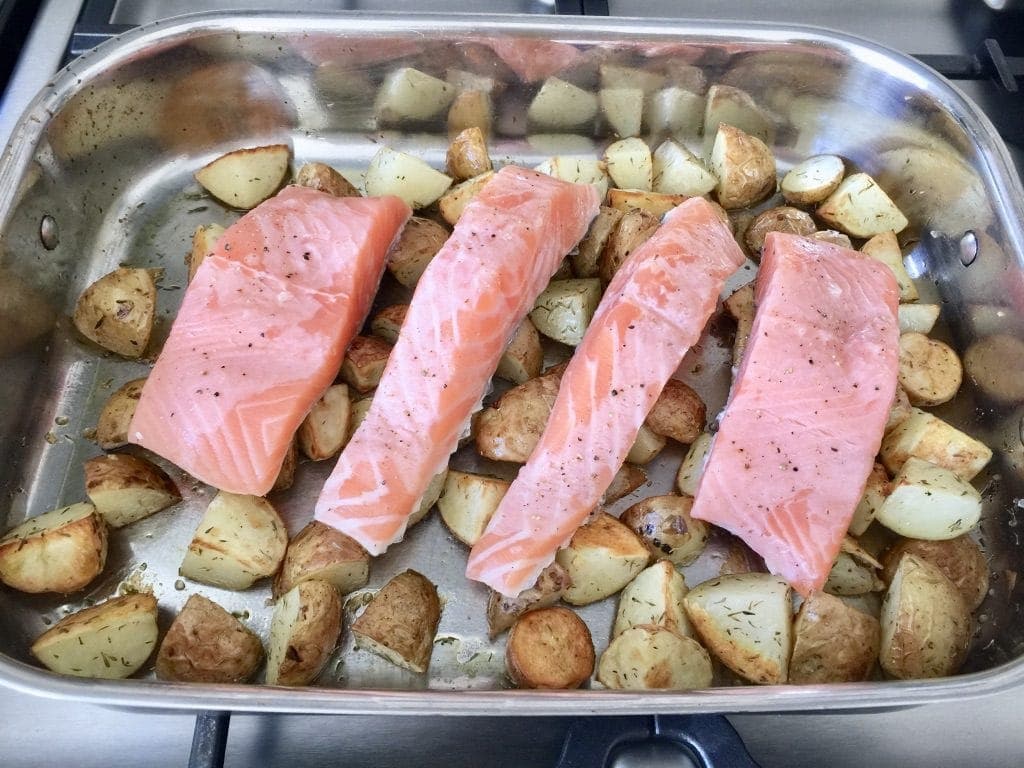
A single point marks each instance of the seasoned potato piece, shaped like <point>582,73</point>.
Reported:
<point>58,551</point>
<point>744,166</point>
<point>509,429</point>
<point>875,490</point>
<point>454,201</point>
<point>418,244</point>
<point>364,362</point>
<point>832,236</point>
<point>656,204</point>
<point>746,621</point>
<point>929,502</point>
<point>408,95</point>
<point>400,621</point>
<point>630,164</point>
<point>387,323</point>
<point>735,107</point>
<point>921,318</point>
<point>204,241</point>
<point>586,259</point>
<point>320,552</point>
<point>561,106</point>
<point>692,467</point>
<point>239,539</point>
<point>650,657</point>
<point>111,640</point>
<point>654,598</point>
<point>675,110</point>
<point>833,643</point>
<point>467,155</point>
<point>586,170</point>
<point>678,413</point>
<point>303,632</point>
<point>602,557</point>
<point>524,356</point>
<point>408,177</point>
<point>125,488</point>
<point>564,309</point>
<point>635,227</point>
<point>930,371</point>
<point>901,410</point>
<point>884,247</point>
<point>627,479</point>
<point>323,178</point>
<point>860,208</point>
<point>324,431</point>
<point>502,611</point>
<point>357,414</point>
<point>664,525</point>
<point>813,180</point>
<point>471,109</point>
<point>739,558</point>
<point>623,109</point>
<point>996,365</point>
<point>850,577</point>
<point>116,312</point>
<point>926,626</point>
<point>740,305</point>
<point>549,648</point>
<point>960,560</point>
<point>206,644</point>
<point>286,475</point>
<point>925,436</point>
<point>117,413</point>
<point>246,177</point>
<point>467,503</point>
<point>780,219</point>
<point>677,171</point>
<point>430,497</point>
<point>646,447</point>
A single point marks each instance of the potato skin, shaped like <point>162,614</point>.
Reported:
<point>745,168</point>
<point>833,643</point>
<point>678,413</point>
<point>467,154</point>
<point>117,413</point>
<point>959,559</point>
<point>780,219</point>
<point>419,242</point>
<point>206,644</point>
<point>324,178</point>
<point>502,611</point>
<point>116,312</point>
<point>123,474</point>
<point>297,657</point>
<point>549,648</point>
<point>319,551</point>
<point>401,620</point>
<point>664,525</point>
<point>509,429</point>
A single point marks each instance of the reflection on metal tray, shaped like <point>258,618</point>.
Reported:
<point>108,153</point>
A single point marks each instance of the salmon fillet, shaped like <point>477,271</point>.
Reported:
<point>467,305</point>
<point>653,311</point>
<point>807,410</point>
<point>261,334</point>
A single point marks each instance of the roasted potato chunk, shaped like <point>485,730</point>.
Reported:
<point>646,447</point>
<point>630,164</point>
<point>206,644</point>
<point>408,95</point>
<point>564,309</point>
<point>813,180</point>
<point>925,436</point>
<point>654,598</point>
<point>418,244</point>
<point>780,219</point>
<point>303,632</point>
<point>245,178</point>
<point>664,525</point>
<point>116,312</point>
<point>400,621</point>
<point>850,577</point>
<point>875,490</point>
<point>677,171</point>
<point>561,106</point>
<point>324,431</point>
<point>921,318</point>
<point>509,429</point>
<point>125,488</point>
<point>744,166</point>
<point>884,247</point>
<point>860,208</point>
<point>323,178</point>
<point>549,648</point>
<point>502,611</point>
<point>692,467</point>
<point>467,503</point>
<point>471,109</point>
<point>960,560</point>
<point>626,480</point>
<point>740,305</point>
<point>364,362</point>
<point>468,155</point>
<point>633,230</point>
<point>320,552</point>
<point>678,413</point>
<point>454,201</point>
<point>655,203</point>
<point>930,371</point>
<point>204,241</point>
<point>833,643</point>
<point>117,413</point>
<point>286,474</point>
<point>586,259</point>
<point>622,109</point>
<point>523,359</point>
<point>650,657</point>
<point>387,323</point>
<point>929,502</point>
<point>602,557</point>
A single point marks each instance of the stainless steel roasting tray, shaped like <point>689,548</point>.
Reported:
<point>102,161</point>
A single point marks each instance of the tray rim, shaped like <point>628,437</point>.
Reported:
<point>1008,206</point>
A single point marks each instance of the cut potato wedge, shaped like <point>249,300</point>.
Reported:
<point>996,364</point>
<point>813,180</point>
<point>206,644</point>
<point>564,309</point>
<point>926,627</point>
<point>561,106</point>
<point>780,219</point>
<point>430,497</point>
<point>925,436</point>
<point>884,247</point>
<point>833,643</point>
<point>502,611</point>
<point>418,244</point>
<point>929,502</point>
<point>324,431</point>
<point>324,178</point>
<point>657,204</point>
<point>860,208</point>
<point>204,241</point>
<point>633,229</point>
<point>320,552</point>
<point>646,447</point>
<point>875,490</point>
<point>364,362</point>
<point>125,488</point>
<point>677,171</point>
<point>626,480</point>
<point>549,648</point>
<point>117,413</point>
<point>850,577</point>
<point>690,471</point>
<point>471,109</point>
<point>116,312</point>
<point>664,525</point>
<point>387,323</point>
<point>623,110</point>
<point>746,621</point>
<point>110,641</point>
<point>744,167</point>
<point>454,201</point>
<point>654,598</point>
<point>467,503</point>
<point>650,657</point>
<point>523,358</point>
<point>602,557</point>
<point>409,96</point>
<point>400,621</point>
<point>406,176</point>
<point>678,413</point>
<point>467,155</point>
<point>960,560</point>
<point>246,177</point>
<point>509,429</point>
<point>587,258</point>
<point>675,111</point>
<point>921,318</point>
<point>303,632</point>
<point>930,371</point>
<point>585,170</point>
<point>59,551</point>
<point>630,164</point>
<point>239,540</point>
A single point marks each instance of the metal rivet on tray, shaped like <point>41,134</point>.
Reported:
<point>48,233</point>
<point>968,248</point>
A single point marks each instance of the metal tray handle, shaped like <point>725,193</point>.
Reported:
<point>209,740</point>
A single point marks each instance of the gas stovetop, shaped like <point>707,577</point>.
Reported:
<point>979,49</point>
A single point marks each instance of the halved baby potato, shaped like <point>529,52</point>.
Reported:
<point>206,644</point>
<point>523,358</point>
<point>417,245</point>
<point>960,560</point>
<point>125,488</point>
<point>833,642</point>
<point>324,431</point>
<point>744,166</point>
<point>677,171</point>
<point>884,247</point>
<point>690,471</point>
<point>204,241</point>
<point>666,528</point>
<point>654,598</point>
<point>116,415</point>
<point>929,502</point>
<point>467,155</point>
<point>467,503</point>
<point>779,219</point>
<point>626,480</point>
<point>652,657</point>
<point>116,312</point>
<point>930,371</point>
<point>850,577</point>
<point>602,557</point>
<point>678,413</point>
<point>324,178</point>
<point>406,176</point>
<point>245,178</point>
<point>564,309</point>
<point>860,208</point>
<point>364,362</point>
<point>813,180</point>
<point>454,201</point>
<point>925,436</point>
<point>502,611</point>
<point>646,447</point>
<point>400,621</point>
<point>303,632</point>
<point>630,164</point>
<point>549,648</point>
<point>509,429</point>
<point>321,552</point>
